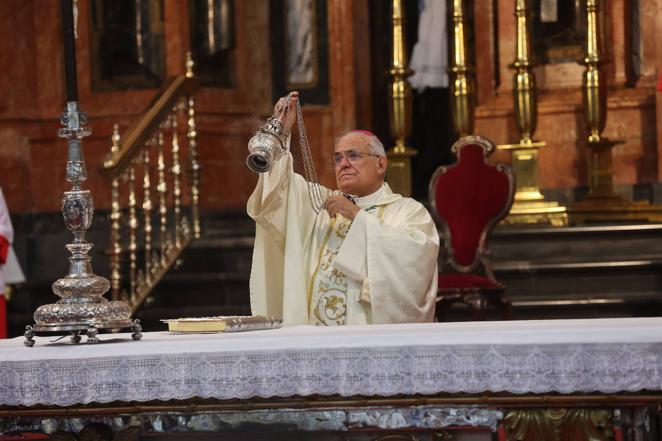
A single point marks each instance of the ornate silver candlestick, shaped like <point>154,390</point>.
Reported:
<point>82,308</point>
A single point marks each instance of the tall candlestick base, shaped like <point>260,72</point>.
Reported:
<point>82,309</point>
<point>602,204</point>
<point>613,209</point>
<point>399,170</point>
<point>530,206</point>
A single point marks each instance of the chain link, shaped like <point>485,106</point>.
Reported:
<point>310,172</point>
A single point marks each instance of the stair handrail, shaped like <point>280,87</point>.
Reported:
<point>178,87</point>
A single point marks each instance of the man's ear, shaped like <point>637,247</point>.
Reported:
<point>382,164</point>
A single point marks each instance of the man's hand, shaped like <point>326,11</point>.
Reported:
<point>341,205</point>
<point>287,114</point>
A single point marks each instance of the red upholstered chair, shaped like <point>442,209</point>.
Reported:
<point>469,198</point>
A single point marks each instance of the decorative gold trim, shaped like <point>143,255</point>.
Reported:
<point>605,401</point>
<point>395,438</point>
<point>319,261</point>
<point>558,424</point>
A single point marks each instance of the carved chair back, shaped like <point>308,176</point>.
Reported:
<point>469,198</point>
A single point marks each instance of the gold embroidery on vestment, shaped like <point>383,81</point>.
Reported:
<point>343,229</point>
<point>329,254</point>
<point>327,292</point>
<point>328,300</point>
<point>319,259</point>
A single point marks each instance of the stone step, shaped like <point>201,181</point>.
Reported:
<point>508,244</point>
<point>580,280</point>
<point>532,262</point>
<point>596,242</point>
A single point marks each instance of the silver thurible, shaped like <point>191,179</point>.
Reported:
<point>266,146</point>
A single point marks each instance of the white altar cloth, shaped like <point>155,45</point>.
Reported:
<point>565,356</point>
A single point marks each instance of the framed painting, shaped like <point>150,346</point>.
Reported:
<point>299,47</point>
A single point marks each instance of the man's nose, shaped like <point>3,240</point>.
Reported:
<point>344,162</point>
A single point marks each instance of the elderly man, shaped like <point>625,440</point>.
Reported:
<point>370,256</point>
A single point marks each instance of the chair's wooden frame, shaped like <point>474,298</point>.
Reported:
<point>476,298</point>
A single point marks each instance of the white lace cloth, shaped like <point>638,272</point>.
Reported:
<point>566,356</point>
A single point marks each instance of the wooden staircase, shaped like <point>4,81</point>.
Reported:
<point>155,191</point>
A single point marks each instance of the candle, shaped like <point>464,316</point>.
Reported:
<point>69,49</point>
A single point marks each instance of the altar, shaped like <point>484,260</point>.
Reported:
<point>596,379</point>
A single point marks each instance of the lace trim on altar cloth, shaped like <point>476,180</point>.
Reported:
<point>367,371</point>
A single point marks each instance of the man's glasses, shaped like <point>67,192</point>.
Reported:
<point>352,156</point>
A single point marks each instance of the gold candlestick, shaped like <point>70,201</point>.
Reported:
<point>601,203</point>
<point>594,88</point>
<point>530,206</point>
<point>400,108</point>
<point>462,85</point>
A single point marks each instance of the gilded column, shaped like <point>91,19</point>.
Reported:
<point>462,84</point>
<point>530,206</point>
<point>400,108</point>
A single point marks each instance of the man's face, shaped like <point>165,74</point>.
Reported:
<point>358,170</point>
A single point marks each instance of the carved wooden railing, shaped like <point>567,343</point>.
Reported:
<point>167,200</point>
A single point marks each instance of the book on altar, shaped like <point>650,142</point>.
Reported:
<point>193,325</point>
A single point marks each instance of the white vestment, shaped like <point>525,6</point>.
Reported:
<point>380,268</point>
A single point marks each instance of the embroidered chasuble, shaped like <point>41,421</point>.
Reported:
<point>309,268</point>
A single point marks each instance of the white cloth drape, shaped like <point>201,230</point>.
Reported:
<point>429,58</point>
<point>522,357</point>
